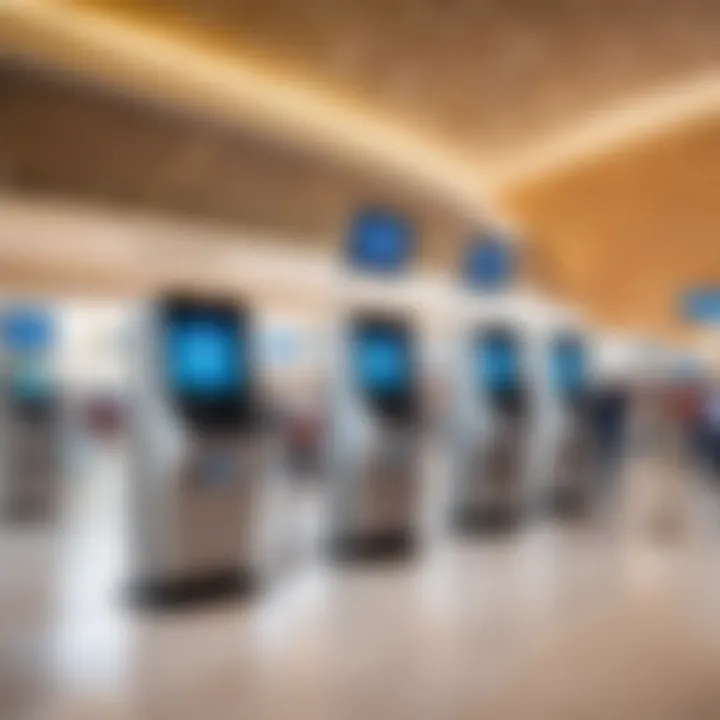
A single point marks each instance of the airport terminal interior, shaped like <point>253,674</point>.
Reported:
<point>359,359</point>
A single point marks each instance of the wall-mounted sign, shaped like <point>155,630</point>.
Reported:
<point>380,241</point>
<point>489,263</point>
<point>27,329</point>
<point>701,305</point>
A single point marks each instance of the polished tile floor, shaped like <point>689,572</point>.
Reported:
<point>610,619</point>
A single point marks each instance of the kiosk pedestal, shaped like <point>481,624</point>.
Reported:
<point>199,453</point>
<point>490,434</point>
<point>375,442</point>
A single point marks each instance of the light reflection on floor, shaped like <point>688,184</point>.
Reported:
<point>552,621</point>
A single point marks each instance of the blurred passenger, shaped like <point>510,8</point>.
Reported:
<point>105,416</point>
<point>303,432</point>
<point>711,428</point>
<point>609,419</point>
<point>686,408</point>
<point>657,475</point>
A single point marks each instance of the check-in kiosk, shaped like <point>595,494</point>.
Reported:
<point>490,408</point>
<point>31,451</point>
<point>490,432</point>
<point>199,454</point>
<point>571,463</point>
<point>374,425</point>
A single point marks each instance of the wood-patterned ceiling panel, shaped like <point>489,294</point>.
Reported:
<point>497,82</point>
<point>489,74</point>
<point>629,233</point>
<point>65,138</point>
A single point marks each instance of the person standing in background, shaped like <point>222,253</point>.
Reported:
<point>710,418</point>
<point>609,421</point>
<point>656,478</point>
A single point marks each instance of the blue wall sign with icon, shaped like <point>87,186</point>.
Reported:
<point>380,241</point>
<point>489,263</point>
<point>701,305</point>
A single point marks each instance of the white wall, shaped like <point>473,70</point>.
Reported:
<point>92,342</point>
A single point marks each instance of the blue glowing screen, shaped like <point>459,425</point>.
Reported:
<point>382,361</point>
<point>380,241</point>
<point>568,364</point>
<point>27,329</point>
<point>489,264</point>
<point>497,362</point>
<point>203,354</point>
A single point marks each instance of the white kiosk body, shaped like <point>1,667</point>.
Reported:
<point>568,378</point>
<point>374,455</point>
<point>198,450</point>
<point>492,413</point>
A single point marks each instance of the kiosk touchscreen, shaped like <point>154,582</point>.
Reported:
<point>32,457</point>
<point>383,366</point>
<point>198,451</point>
<point>490,432</point>
<point>206,364</point>
<point>374,428</point>
<point>571,466</point>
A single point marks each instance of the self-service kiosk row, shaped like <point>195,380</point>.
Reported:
<point>200,450</point>
<point>376,438</point>
<point>520,437</point>
<point>201,454</point>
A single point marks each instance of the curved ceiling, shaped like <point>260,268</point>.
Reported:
<point>592,124</point>
<point>630,232</point>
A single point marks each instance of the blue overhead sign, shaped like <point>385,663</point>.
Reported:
<point>701,305</point>
<point>27,329</point>
<point>380,241</point>
<point>489,263</point>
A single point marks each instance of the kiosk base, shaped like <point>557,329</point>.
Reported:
<point>488,520</point>
<point>386,546</point>
<point>188,592</point>
<point>39,515</point>
<point>567,504</point>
